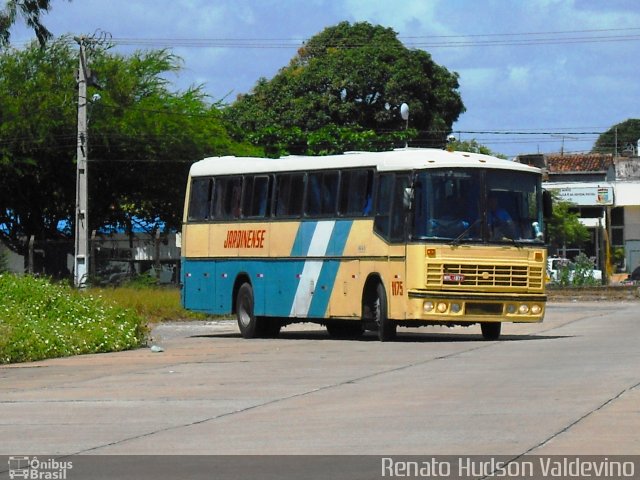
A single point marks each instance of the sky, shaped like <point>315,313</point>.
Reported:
<point>536,76</point>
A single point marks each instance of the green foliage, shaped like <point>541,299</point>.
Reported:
<point>142,139</point>
<point>37,142</point>
<point>30,11</point>
<point>583,271</point>
<point>578,273</point>
<point>472,146</point>
<point>41,320</point>
<point>627,132</point>
<point>564,227</point>
<point>144,281</point>
<point>618,257</point>
<point>158,132</point>
<point>564,275</point>
<point>352,77</point>
<point>276,141</point>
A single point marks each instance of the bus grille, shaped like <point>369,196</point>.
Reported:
<point>454,276</point>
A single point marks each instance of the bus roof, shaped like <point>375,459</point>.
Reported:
<point>399,159</point>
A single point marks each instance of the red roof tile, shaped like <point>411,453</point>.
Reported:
<point>586,162</point>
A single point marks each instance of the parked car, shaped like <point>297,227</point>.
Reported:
<point>632,279</point>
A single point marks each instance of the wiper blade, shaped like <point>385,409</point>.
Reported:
<point>456,241</point>
<point>513,241</point>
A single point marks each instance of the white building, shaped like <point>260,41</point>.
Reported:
<point>606,192</point>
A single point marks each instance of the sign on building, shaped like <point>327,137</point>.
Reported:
<point>586,195</point>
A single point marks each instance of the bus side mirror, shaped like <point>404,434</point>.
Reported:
<point>547,204</point>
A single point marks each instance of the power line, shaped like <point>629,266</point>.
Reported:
<point>432,41</point>
<point>553,32</point>
<point>523,132</point>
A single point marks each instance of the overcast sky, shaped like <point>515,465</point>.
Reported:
<point>564,69</point>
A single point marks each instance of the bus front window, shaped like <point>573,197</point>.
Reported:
<point>473,205</point>
<point>514,210</point>
<point>448,205</point>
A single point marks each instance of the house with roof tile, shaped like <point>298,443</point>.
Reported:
<point>605,190</point>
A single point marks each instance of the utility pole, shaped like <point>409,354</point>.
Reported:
<point>81,259</point>
<point>81,262</point>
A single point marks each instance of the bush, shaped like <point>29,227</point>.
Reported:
<point>579,273</point>
<point>583,275</point>
<point>41,320</point>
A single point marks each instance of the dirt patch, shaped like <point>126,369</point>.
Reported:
<point>593,294</point>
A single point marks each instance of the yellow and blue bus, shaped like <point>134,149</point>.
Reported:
<point>365,241</point>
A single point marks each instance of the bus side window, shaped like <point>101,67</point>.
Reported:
<point>228,191</point>
<point>289,194</point>
<point>200,199</point>
<point>356,191</point>
<point>390,209</point>
<point>322,194</point>
<point>383,205</point>
<point>255,203</point>
<point>398,209</point>
<point>314,195</point>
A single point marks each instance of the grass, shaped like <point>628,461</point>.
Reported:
<point>39,319</point>
<point>155,304</point>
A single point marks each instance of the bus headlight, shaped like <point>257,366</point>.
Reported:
<point>455,308</point>
<point>536,309</point>
<point>442,307</point>
<point>523,309</point>
<point>511,308</point>
<point>427,307</point>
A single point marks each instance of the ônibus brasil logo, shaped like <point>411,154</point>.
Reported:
<point>34,469</point>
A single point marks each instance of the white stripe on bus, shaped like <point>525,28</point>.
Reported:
<point>312,268</point>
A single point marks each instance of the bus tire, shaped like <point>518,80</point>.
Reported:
<point>250,325</point>
<point>386,327</point>
<point>491,330</point>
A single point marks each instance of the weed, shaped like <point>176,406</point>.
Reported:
<point>39,319</point>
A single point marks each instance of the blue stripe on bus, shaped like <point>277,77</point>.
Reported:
<point>324,288</point>
<point>339,238</point>
<point>303,239</point>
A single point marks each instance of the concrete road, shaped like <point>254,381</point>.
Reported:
<point>570,385</point>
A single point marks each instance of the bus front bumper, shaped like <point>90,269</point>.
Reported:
<point>462,307</point>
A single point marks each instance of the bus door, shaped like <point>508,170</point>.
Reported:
<point>393,203</point>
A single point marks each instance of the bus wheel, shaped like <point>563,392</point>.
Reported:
<point>386,327</point>
<point>250,325</point>
<point>491,330</point>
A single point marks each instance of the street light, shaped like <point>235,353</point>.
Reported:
<point>404,113</point>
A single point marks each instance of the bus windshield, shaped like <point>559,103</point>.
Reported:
<point>473,205</point>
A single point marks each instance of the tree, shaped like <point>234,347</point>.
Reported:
<point>564,227</point>
<point>618,137</point>
<point>37,142</point>
<point>472,146</point>
<point>144,137</point>
<point>351,80</point>
<point>30,10</point>
<point>142,140</point>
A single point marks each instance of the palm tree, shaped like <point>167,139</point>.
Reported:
<point>30,11</point>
